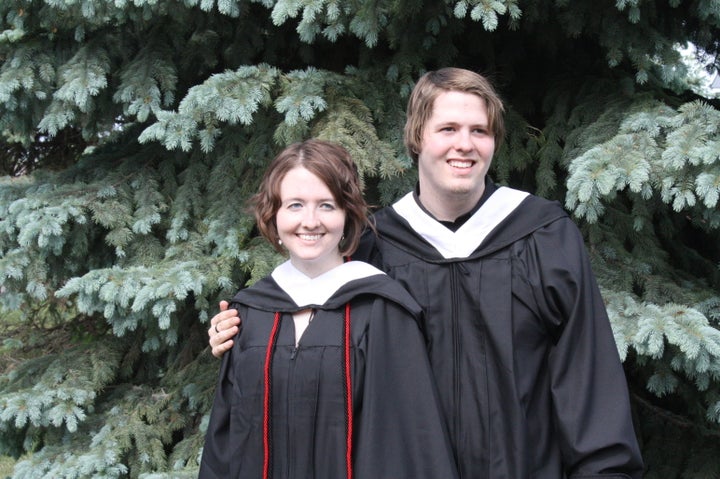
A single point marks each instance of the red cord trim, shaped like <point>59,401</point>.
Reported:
<point>348,393</point>
<point>267,372</point>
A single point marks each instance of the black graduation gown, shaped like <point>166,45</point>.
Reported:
<point>397,422</point>
<point>526,365</point>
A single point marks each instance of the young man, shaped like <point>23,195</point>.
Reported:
<point>521,348</point>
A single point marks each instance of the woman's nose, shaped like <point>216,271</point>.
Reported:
<point>310,218</point>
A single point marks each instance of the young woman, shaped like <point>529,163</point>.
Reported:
<point>328,376</point>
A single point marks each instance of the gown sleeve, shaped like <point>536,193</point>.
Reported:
<point>367,250</point>
<point>400,429</point>
<point>215,462</point>
<point>591,405</point>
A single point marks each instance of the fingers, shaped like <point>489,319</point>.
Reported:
<point>222,341</point>
<point>223,327</point>
<point>219,317</point>
<point>219,322</point>
<point>221,349</point>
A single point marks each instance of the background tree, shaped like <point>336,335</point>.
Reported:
<point>133,131</point>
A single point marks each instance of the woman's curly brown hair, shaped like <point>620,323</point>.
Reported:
<point>333,165</point>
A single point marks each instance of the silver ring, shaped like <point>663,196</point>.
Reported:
<point>216,329</point>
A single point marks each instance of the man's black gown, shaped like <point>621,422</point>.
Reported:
<point>519,340</point>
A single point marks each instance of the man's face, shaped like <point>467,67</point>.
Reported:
<point>457,149</point>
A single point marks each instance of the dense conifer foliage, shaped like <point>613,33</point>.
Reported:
<point>133,131</point>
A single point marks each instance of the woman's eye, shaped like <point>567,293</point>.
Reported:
<point>294,206</point>
<point>327,206</point>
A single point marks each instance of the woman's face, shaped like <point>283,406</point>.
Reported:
<point>309,222</point>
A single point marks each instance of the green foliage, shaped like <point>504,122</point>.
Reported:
<point>488,13</point>
<point>224,98</point>
<point>6,466</point>
<point>133,133</point>
<point>674,153</point>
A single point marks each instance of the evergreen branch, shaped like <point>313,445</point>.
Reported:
<point>487,11</point>
<point>57,389</point>
<point>676,419</point>
<point>673,153</point>
<point>232,97</point>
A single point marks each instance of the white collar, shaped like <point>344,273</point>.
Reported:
<point>306,291</point>
<point>460,243</point>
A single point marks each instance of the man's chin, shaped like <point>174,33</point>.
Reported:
<point>464,188</point>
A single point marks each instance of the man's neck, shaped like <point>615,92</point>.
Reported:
<point>451,206</point>
<point>458,221</point>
